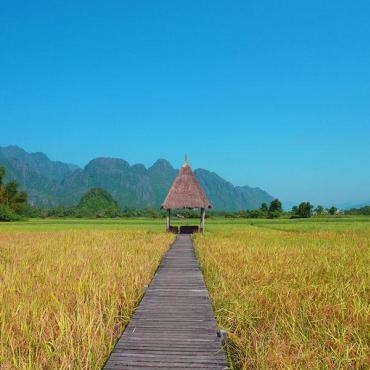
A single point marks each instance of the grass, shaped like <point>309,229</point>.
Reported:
<point>65,296</point>
<point>291,295</point>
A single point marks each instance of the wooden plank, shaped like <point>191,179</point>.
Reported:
<point>174,325</point>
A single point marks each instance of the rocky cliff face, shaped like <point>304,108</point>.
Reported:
<point>51,183</point>
<point>36,174</point>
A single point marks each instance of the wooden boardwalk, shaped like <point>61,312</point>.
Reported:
<point>174,326</point>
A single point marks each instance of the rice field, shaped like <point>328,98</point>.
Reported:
<point>65,296</point>
<point>291,295</point>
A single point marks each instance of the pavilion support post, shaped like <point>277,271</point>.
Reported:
<point>202,218</point>
<point>168,219</point>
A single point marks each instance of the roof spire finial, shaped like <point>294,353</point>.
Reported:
<point>186,163</point>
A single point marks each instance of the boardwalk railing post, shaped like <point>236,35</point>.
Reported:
<point>202,217</point>
<point>222,333</point>
<point>168,219</point>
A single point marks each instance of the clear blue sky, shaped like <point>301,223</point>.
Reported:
<point>273,94</point>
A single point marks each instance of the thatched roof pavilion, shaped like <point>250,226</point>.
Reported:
<point>186,192</point>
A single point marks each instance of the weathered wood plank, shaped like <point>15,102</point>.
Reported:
<point>174,326</point>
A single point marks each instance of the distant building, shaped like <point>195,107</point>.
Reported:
<point>186,192</point>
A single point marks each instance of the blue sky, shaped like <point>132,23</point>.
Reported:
<point>274,94</point>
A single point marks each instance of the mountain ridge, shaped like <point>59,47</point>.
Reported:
<point>54,183</point>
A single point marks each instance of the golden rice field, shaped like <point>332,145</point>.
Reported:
<point>65,296</point>
<point>291,296</point>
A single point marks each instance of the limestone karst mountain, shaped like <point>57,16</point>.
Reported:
<point>50,183</point>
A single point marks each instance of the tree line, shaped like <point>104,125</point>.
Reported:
<point>275,210</point>
<point>272,210</point>
<point>98,203</point>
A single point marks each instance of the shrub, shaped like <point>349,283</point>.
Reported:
<point>6,214</point>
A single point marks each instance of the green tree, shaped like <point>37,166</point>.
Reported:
<point>11,199</point>
<point>359,211</point>
<point>319,210</point>
<point>98,203</point>
<point>304,210</point>
<point>2,174</point>
<point>6,214</point>
<point>256,213</point>
<point>332,210</point>
<point>275,209</point>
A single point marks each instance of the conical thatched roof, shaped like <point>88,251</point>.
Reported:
<point>186,191</point>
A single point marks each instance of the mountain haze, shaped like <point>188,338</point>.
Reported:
<point>52,183</point>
